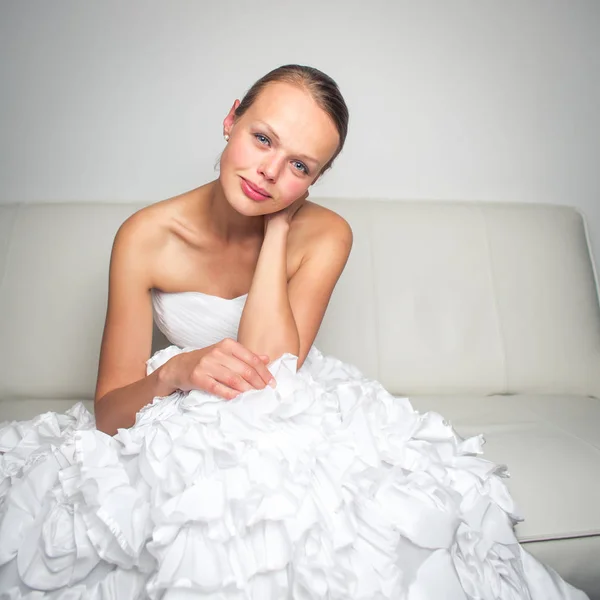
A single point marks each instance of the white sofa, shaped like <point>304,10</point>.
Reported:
<point>486,313</point>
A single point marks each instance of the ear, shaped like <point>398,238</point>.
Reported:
<point>229,120</point>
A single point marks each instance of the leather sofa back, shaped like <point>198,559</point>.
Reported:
<point>452,298</point>
<point>437,297</point>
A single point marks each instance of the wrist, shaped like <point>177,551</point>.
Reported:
<point>164,384</point>
<point>278,225</point>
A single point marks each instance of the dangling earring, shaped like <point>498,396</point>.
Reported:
<point>226,136</point>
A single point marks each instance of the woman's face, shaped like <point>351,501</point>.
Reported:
<point>276,149</point>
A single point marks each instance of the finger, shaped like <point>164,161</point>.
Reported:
<point>253,361</point>
<point>248,372</point>
<point>265,358</point>
<point>230,373</point>
<point>219,389</point>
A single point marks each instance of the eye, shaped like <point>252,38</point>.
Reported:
<point>300,166</point>
<point>263,139</point>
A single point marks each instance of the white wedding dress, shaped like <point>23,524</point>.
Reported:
<point>325,487</point>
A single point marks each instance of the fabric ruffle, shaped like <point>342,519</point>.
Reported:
<point>325,487</point>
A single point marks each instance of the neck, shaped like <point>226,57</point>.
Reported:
<point>225,221</point>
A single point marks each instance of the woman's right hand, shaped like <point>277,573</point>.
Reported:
<point>225,369</point>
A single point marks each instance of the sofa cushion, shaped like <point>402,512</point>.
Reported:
<point>551,445</point>
<point>575,559</point>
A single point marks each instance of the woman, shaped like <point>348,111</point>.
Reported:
<point>240,462</point>
<point>227,238</point>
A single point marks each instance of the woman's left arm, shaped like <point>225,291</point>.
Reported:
<point>284,316</point>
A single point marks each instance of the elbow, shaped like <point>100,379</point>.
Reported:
<point>279,351</point>
<point>302,355</point>
<point>300,362</point>
<point>104,415</point>
<point>102,422</point>
<point>275,348</point>
<point>103,427</point>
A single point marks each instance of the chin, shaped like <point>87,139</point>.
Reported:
<point>247,208</point>
<point>243,205</point>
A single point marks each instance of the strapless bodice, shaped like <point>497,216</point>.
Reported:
<point>196,320</point>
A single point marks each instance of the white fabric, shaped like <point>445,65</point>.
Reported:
<point>327,486</point>
<point>551,445</point>
<point>172,310</point>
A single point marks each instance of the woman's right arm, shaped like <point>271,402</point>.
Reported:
<point>123,388</point>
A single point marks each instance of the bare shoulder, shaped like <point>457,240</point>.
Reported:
<point>149,229</point>
<point>316,226</point>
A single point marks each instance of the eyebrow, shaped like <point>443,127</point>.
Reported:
<point>272,133</point>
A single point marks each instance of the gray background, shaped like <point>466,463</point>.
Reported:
<point>462,99</point>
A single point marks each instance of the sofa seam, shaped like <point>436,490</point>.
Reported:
<point>593,265</point>
<point>588,243</point>
<point>491,274</point>
<point>558,537</point>
<point>553,425</point>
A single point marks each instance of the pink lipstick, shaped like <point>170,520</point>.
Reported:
<point>253,192</point>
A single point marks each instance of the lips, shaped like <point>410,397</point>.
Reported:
<point>253,191</point>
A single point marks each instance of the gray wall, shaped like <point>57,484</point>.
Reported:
<point>460,99</point>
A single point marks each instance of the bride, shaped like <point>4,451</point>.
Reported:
<point>240,462</point>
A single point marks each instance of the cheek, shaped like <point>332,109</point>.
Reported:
<point>239,154</point>
<point>292,188</point>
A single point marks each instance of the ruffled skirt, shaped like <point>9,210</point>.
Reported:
<point>325,487</point>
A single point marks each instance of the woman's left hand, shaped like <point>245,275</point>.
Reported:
<point>287,214</point>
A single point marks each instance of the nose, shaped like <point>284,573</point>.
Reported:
<point>270,167</point>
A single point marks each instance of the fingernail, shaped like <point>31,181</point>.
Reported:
<point>272,382</point>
